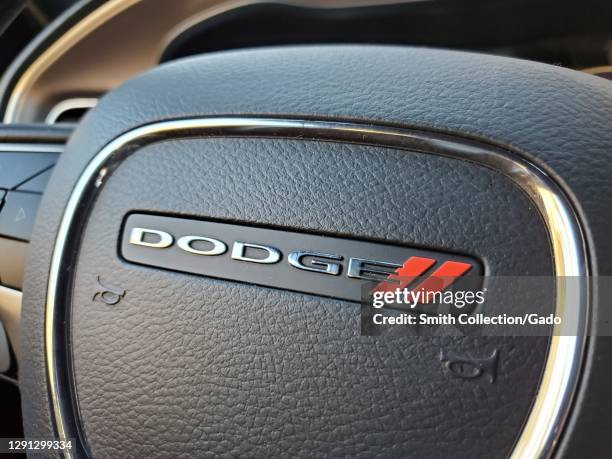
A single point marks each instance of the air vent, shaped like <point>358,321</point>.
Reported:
<point>70,110</point>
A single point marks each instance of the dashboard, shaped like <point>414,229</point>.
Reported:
<point>74,62</point>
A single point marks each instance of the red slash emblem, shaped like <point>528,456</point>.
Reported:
<point>442,278</point>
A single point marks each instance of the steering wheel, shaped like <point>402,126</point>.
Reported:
<point>200,252</point>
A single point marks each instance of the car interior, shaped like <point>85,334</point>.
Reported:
<point>306,228</point>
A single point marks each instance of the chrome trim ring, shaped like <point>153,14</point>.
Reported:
<point>553,400</point>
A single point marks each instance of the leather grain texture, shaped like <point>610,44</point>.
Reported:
<point>559,118</point>
<point>187,365</point>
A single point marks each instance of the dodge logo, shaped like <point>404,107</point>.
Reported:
<point>328,266</point>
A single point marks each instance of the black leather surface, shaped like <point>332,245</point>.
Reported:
<point>558,117</point>
<point>187,365</point>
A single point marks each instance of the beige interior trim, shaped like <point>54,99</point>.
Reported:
<point>104,49</point>
<point>10,315</point>
<point>62,46</point>
<point>598,70</point>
